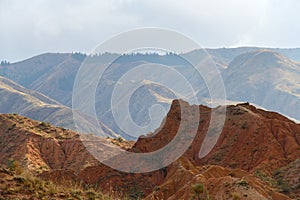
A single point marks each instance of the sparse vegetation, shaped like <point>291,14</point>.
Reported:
<point>262,176</point>
<point>237,111</point>
<point>120,139</point>
<point>44,125</point>
<point>156,188</point>
<point>218,157</point>
<point>200,192</point>
<point>281,183</point>
<point>243,183</point>
<point>245,125</point>
<point>283,186</point>
<point>14,167</point>
<point>135,193</point>
<point>233,165</point>
<point>12,126</point>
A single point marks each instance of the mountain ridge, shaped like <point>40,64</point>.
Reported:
<point>54,76</point>
<point>17,99</point>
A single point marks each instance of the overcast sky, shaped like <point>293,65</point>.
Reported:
<point>33,27</point>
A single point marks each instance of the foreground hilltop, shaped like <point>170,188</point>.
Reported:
<point>255,157</point>
<point>250,139</point>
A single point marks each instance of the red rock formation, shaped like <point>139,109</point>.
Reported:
<point>251,141</point>
<point>39,146</point>
<point>218,183</point>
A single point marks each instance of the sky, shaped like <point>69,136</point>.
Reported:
<point>32,27</point>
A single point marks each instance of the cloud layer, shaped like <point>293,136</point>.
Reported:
<point>32,27</point>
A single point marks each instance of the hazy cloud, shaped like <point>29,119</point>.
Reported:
<point>33,27</point>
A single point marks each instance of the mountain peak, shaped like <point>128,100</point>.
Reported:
<point>260,59</point>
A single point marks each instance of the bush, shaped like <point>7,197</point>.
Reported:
<point>283,186</point>
<point>45,124</point>
<point>119,139</point>
<point>245,125</point>
<point>200,192</point>
<point>235,196</point>
<point>14,167</point>
<point>243,183</point>
<point>135,193</point>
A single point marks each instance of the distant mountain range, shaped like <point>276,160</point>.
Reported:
<point>267,77</point>
<point>223,56</point>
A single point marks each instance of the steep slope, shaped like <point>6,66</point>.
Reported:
<point>267,79</point>
<point>288,178</point>
<point>10,85</point>
<point>251,139</point>
<point>17,99</point>
<point>22,185</point>
<point>59,155</point>
<point>39,146</point>
<point>187,181</point>
<point>51,74</point>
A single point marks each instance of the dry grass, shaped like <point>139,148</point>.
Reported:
<point>16,183</point>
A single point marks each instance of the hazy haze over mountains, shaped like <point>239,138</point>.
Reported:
<point>265,77</point>
<point>17,99</point>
